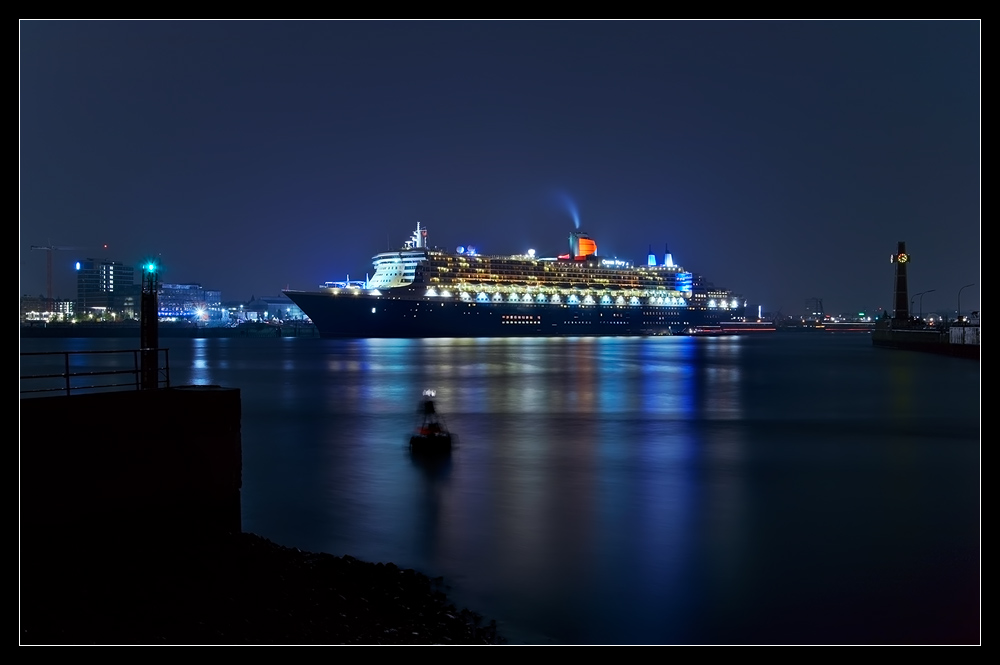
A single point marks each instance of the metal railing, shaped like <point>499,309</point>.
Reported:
<point>75,367</point>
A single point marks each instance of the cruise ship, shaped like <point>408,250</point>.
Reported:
<point>424,291</point>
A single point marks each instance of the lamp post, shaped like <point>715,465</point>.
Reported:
<point>922,301</point>
<point>915,295</point>
<point>960,300</point>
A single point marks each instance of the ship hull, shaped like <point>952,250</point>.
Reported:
<point>361,315</point>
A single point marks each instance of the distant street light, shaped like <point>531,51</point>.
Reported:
<point>915,296</point>
<point>922,301</point>
<point>960,300</point>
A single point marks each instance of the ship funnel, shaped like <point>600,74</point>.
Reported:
<point>668,258</point>
<point>581,245</point>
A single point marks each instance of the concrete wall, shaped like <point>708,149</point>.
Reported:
<point>132,463</point>
<point>964,335</point>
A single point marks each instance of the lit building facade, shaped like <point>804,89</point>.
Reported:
<point>103,285</point>
<point>179,300</point>
<point>39,308</point>
<point>189,301</point>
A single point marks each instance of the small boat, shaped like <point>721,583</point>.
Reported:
<point>431,437</point>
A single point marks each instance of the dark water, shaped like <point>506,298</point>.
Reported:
<point>773,489</point>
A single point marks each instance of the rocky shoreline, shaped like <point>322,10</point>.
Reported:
<point>234,589</point>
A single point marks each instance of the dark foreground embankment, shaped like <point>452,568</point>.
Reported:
<point>236,589</point>
<point>123,539</point>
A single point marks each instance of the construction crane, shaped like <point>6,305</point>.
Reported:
<point>48,266</point>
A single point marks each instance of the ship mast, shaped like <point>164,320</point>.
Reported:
<point>418,240</point>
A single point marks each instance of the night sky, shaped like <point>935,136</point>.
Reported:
<point>782,160</point>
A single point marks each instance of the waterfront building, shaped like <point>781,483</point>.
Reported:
<point>40,308</point>
<point>278,307</point>
<point>105,286</point>
<point>189,301</point>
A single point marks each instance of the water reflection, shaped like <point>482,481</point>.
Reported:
<point>199,362</point>
<point>665,376</point>
<point>625,490</point>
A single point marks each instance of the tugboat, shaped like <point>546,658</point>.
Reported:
<point>432,437</point>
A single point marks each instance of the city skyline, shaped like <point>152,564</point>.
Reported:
<point>782,160</point>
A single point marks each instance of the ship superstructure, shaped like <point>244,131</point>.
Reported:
<point>420,291</point>
<point>393,269</point>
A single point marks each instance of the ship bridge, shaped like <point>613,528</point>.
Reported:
<point>347,284</point>
<point>394,269</point>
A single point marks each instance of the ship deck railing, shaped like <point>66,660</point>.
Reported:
<point>45,373</point>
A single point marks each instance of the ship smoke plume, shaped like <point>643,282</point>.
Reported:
<point>571,208</point>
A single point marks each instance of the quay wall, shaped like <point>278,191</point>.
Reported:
<point>132,463</point>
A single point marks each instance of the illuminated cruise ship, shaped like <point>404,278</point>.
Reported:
<point>420,291</point>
